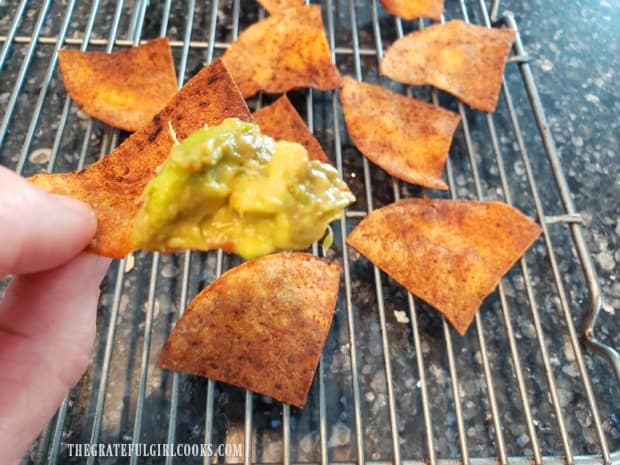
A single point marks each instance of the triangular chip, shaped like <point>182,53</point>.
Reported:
<point>406,137</point>
<point>413,9</point>
<point>275,6</point>
<point>450,253</point>
<point>281,121</point>
<point>465,60</point>
<point>260,326</point>
<point>113,186</point>
<point>123,89</point>
<point>282,52</point>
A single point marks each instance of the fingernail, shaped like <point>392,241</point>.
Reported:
<point>78,211</point>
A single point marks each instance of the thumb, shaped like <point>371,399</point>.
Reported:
<point>38,230</point>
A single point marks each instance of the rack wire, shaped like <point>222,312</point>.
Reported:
<point>395,383</point>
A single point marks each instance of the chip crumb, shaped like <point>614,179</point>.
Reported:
<point>129,262</point>
<point>401,316</point>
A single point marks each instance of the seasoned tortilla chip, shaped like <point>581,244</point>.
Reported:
<point>450,253</point>
<point>463,59</point>
<point>281,121</point>
<point>123,89</point>
<point>276,6</point>
<point>413,9</point>
<point>114,185</point>
<point>406,137</point>
<point>260,326</point>
<point>282,52</point>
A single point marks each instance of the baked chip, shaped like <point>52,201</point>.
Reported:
<point>408,138</point>
<point>113,186</point>
<point>281,121</point>
<point>449,253</point>
<point>282,52</point>
<point>275,6</point>
<point>123,89</point>
<point>260,326</point>
<point>465,60</point>
<point>413,9</point>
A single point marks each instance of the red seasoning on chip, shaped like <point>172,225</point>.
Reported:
<point>281,121</point>
<point>413,9</point>
<point>275,6</point>
<point>408,138</point>
<point>113,187</point>
<point>260,326</point>
<point>463,59</point>
<point>449,253</point>
<point>124,89</point>
<point>285,51</point>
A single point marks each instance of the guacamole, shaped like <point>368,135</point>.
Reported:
<point>231,187</point>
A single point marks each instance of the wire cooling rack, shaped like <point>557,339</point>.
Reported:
<point>395,383</point>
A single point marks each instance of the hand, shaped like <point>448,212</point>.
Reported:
<point>47,316</point>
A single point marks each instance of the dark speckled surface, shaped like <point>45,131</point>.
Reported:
<point>575,60</point>
<point>576,52</point>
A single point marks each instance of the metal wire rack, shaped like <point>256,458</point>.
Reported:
<point>395,384</point>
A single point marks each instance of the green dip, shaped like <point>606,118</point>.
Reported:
<point>231,187</point>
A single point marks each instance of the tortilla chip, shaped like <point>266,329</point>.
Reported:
<point>281,121</point>
<point>413,9</point>
<point>463,59</point>
<point>113,186</point>
<point>123,89</point>
<point>260,326</point>
<point>450,253</point>
<point>276,6</point>
<point>282,52</point>
<point>408,138</point>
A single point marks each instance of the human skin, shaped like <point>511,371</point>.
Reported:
<point>48,312</point>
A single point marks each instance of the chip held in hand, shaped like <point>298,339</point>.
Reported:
<point>449,253</point>
<point>113,187</point>
<point>260,326</point>
<point>408,138</point>
<point>285,51</point>
<point>231,187</point>
<point>462,59</point>
<point>124,89</point>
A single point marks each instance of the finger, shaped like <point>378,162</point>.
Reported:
<point>47,327</point>
<point>38,230</point>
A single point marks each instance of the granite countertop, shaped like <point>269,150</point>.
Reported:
<point>575,54</point>
<point>576,51</point>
